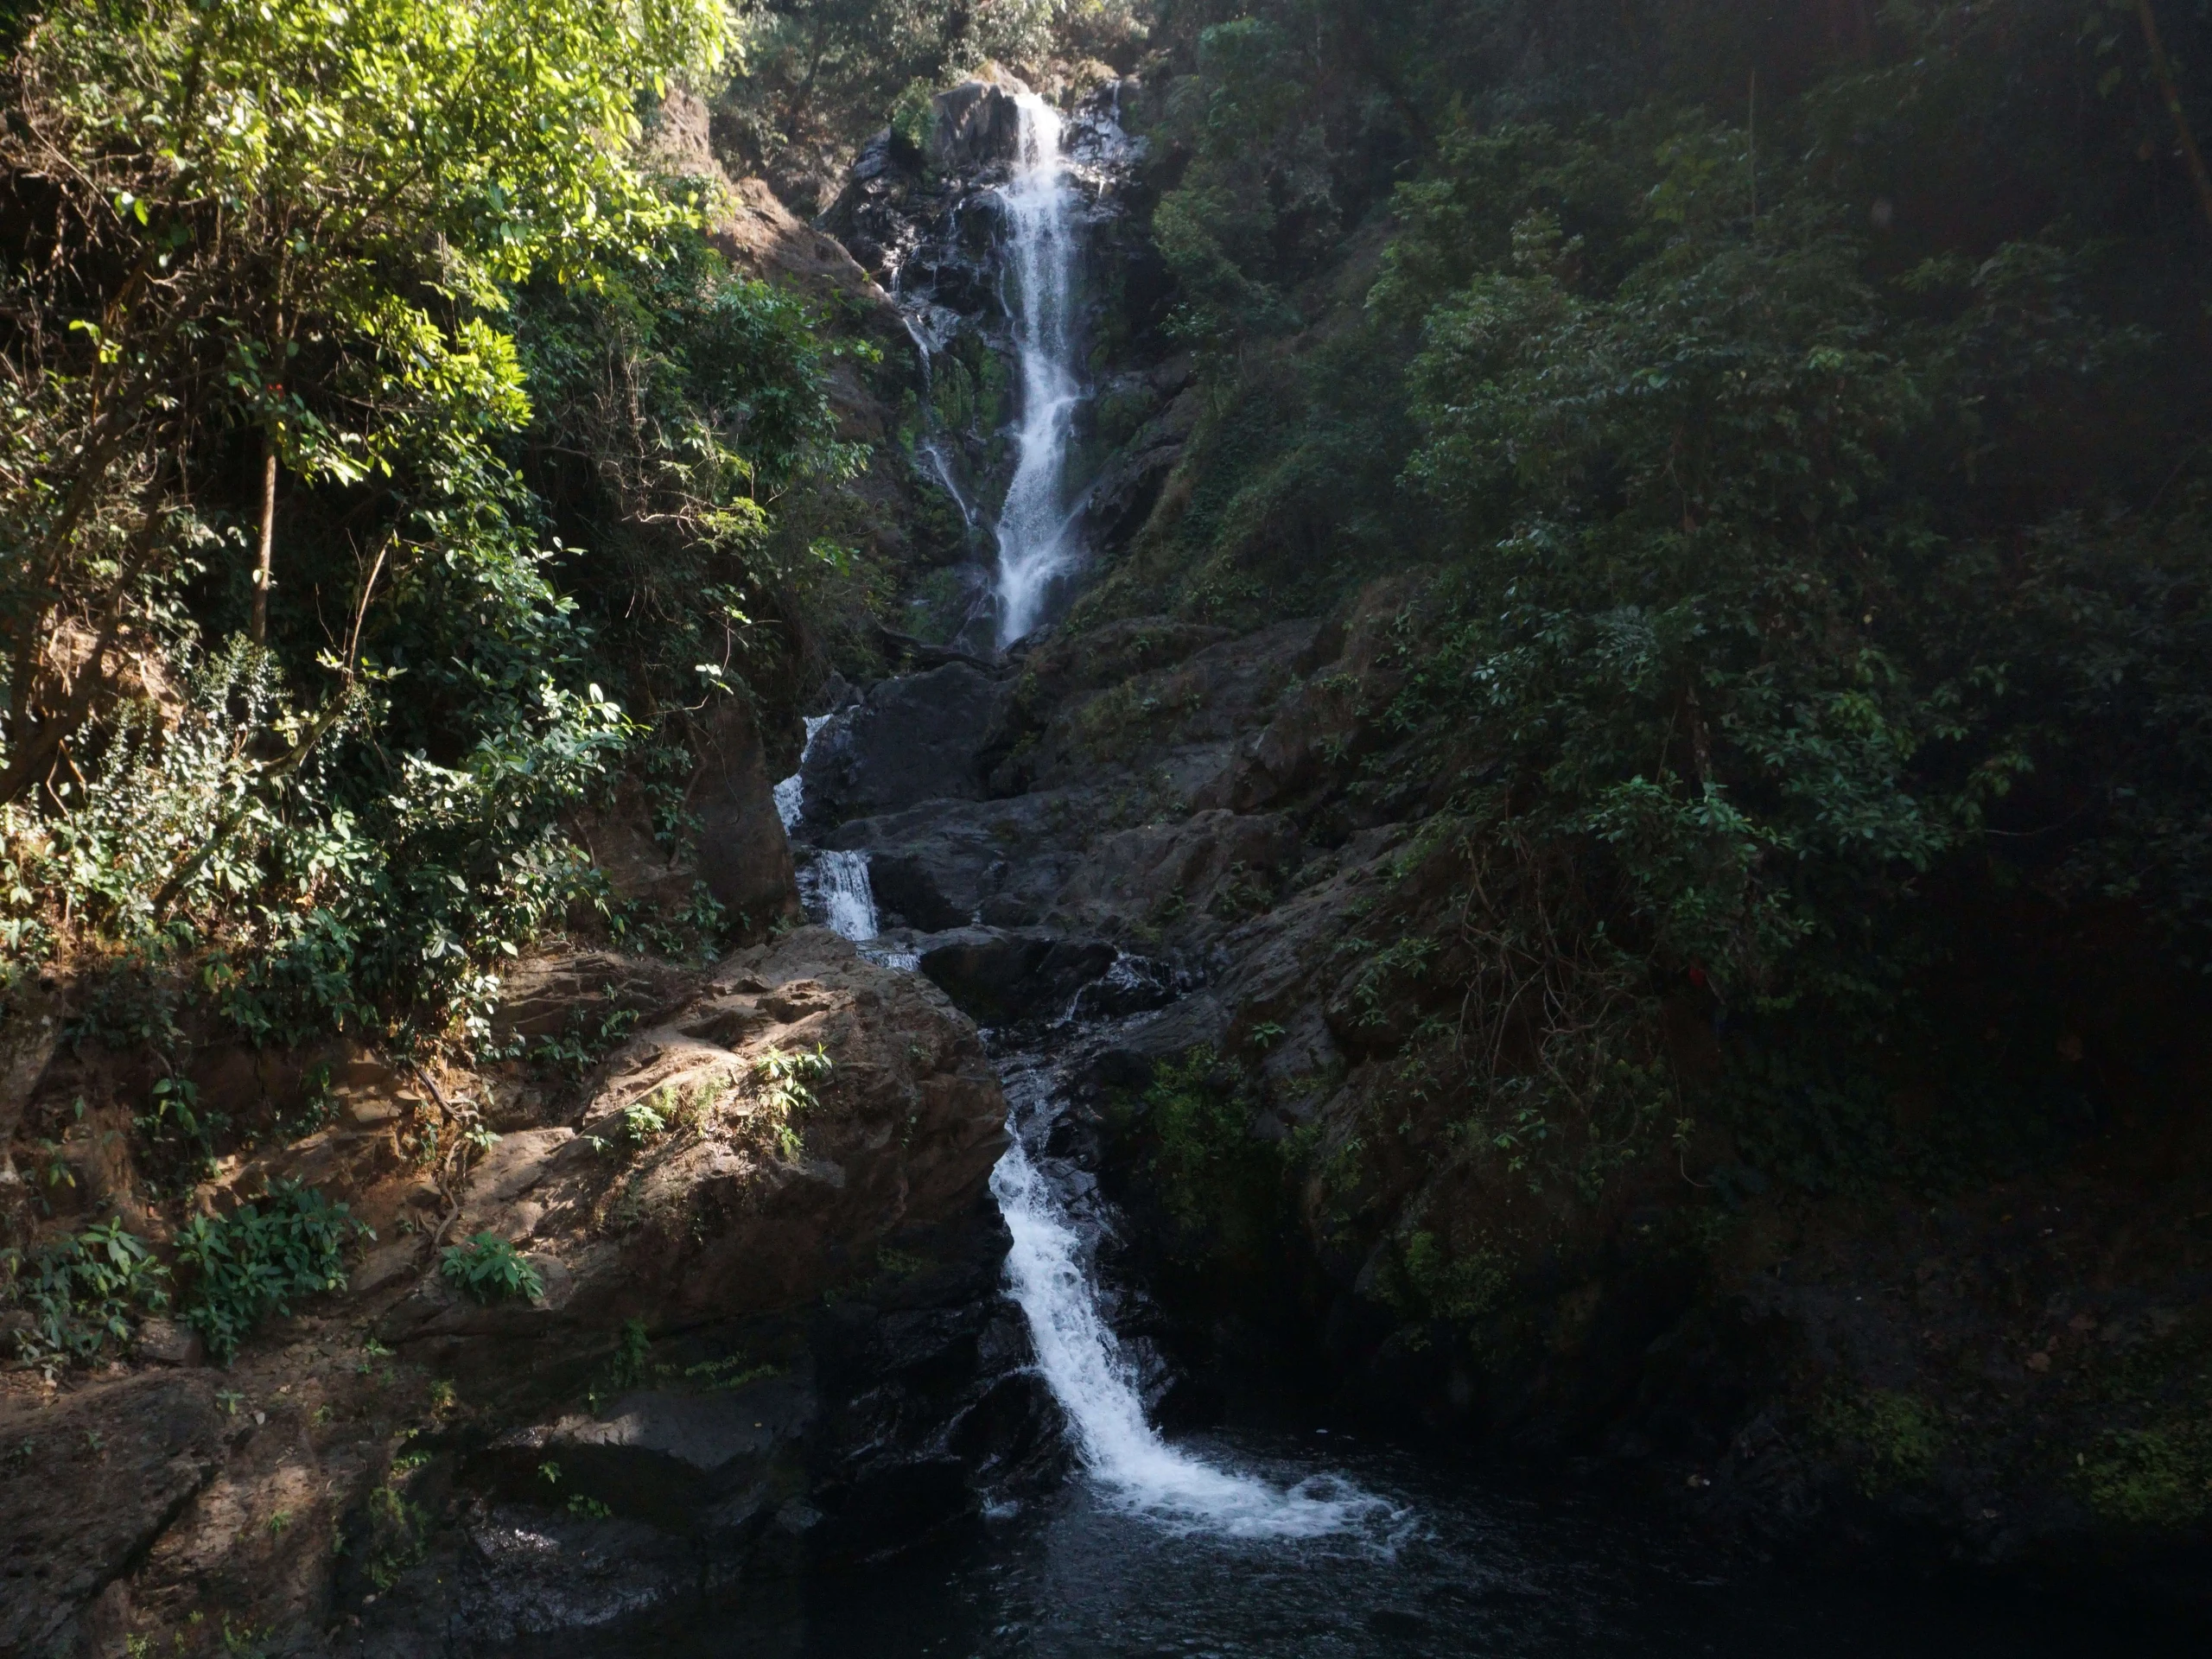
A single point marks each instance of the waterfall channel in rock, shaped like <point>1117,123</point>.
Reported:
<point>1036,539</point>
<point>1136,1470</point>
<point>1049,1269</point>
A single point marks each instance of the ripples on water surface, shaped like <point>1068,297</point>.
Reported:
<point>1438,1568</point>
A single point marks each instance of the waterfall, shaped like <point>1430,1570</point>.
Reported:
<point>836,888</point>
<point>790,794</point>
<point>1048,1269</point>
<point>1082,1363</point>
<point>931,442</point>
<point>1036,545</point>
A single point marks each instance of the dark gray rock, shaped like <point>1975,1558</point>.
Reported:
<point>97,1476</point>
<point>1000,978</point>
<point>946,864</point>
<point>911,886</point>
<point>910,740</point>
<point>977,124</point>
<point>658,1455</point>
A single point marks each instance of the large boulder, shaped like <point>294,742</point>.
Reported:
<point>707,1180</point>
<point>910,740</point>
<point>90,1481</point>
<point>745,857</point>
<point>978,123</point>
<point>770,1335</point>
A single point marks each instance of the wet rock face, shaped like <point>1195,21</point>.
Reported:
<point>977,126</point>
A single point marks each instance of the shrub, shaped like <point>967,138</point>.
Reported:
<point>2151,1478</point>
<point>81,1292</point>
<point>256,1259</point>
<point>490,1269</point>
<point>1218,1184</point>
<point>1891,1438</point>
<point>642,1123</point>
<point>1432,1281</point>
<point>786,1082</point>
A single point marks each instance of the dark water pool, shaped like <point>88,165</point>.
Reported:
<point>1460,1569</point>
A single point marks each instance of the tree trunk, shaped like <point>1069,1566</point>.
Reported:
<point>2162,68</point>
<point>259,628</point>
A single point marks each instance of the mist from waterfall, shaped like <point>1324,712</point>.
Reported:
<point>836,890</point>
<point>1035,535</point>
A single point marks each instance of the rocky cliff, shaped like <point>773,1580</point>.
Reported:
<point>1141,849</point>
<point>767,1334</point>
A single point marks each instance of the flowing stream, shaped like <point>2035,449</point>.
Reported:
<point>1135,1469</point>
<point>1047,1271</point>
<point>1049,1274</point>
<point>1035,536</point>
<point>1276,1538</point>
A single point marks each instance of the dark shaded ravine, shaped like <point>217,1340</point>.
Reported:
<point>1420,1553</point>
<point>1474,1568</point>
<point>923,839</point>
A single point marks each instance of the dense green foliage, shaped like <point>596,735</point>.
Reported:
<point>675,405</point>
<point>490,1269</point>
<point>256,1261</point>
<point>1797,416</point>
<point>381,295</point>
<point>821,74</point>
<point>84,1292</point>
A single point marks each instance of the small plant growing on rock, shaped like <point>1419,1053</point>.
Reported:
<point>627,1369</point>
<point>643,1123</point>
<point>785,1081</point>
<point>246,1265</point>
<point>2150,1477</point>
<point>584,1043</point>
<point>1889,1438</point>
<point>490,1269</point>
<point>1429,1280</point>
<point>81,1293</point>
<point>397,1533</point>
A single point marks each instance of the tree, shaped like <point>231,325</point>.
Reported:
<point>296,220</point>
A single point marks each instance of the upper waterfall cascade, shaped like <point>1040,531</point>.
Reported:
<point>1037,544</point>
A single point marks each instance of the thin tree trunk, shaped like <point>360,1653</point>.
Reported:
<point>259,628</point>
<point>2163,70</point>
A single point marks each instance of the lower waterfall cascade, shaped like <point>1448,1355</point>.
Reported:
<point>1080,1358</point>
<point>1048,1275</point>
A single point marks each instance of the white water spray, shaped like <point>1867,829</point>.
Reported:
<point>1036,542</point>
<point>790,794</point>
<point>835,886</point>
<point>1082,1363</point>
<point>838,888</point>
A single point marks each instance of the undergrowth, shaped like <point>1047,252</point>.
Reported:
<point>239,1268</point>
